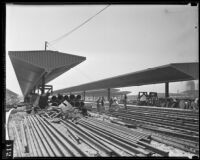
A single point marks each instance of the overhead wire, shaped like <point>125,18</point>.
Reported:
<point>68,33</point>
<point>51,43</point>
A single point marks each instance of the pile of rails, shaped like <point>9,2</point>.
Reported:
<point>118,138</point>
<point>38,136</point>
<point>176,127</point>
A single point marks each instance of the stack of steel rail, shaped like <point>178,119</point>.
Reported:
<point>38,136</point>
<point>132,141</point>
<point>179,128</point>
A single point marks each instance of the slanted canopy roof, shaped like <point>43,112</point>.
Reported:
<point>30,66</point>
<point>173,72</point>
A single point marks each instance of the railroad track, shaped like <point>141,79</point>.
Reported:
<point>168,123</point>
<point>180,130</point>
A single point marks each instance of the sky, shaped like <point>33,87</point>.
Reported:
<point>119,40</point>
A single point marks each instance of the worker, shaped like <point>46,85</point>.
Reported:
<point>66,98</point>
<point>98,104</point>
<point>54,101</point>
<point>72,99</point>
<point>186,104</point>
<point>110,102</point>
<point>78,98</point>
<point>192,105</point>
<point>174,103</point>
<point>168,101</point>
<point>125,101</point>
<point>78,102</point>
<point>83,109</point>
<point>115,104</point>
<point>182,104</point>
<point>102,104</point>
<point>197,103</point>
<point>60,99</point>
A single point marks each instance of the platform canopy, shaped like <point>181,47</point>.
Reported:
<point>173,72</point>
<point>31,66</point>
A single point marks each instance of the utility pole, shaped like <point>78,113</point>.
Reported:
<point>46,45</point>
<point>43,77</point>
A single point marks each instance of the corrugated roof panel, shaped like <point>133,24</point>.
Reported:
<point>47,59</point>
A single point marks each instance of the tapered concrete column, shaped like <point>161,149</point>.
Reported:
<point>166,89</point>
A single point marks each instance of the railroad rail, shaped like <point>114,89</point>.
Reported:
<point>173,127</point>
<point>37,136</point>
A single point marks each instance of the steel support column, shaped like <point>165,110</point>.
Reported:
<point>84,95</point>
<point>166,89</point>
<point>108,94</point>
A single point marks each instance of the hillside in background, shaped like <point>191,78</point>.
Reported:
<point>11,97</point>
<point>194,93</point>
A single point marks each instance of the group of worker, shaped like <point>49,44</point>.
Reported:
<point>173,103</point>
<point>113,103</point>
<point>186,104</point>
<point>179,103</point>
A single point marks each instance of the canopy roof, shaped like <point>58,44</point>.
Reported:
<point>173,72</point>
<point>30,66</point>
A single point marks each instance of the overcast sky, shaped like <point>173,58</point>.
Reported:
<point>121,39</point>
